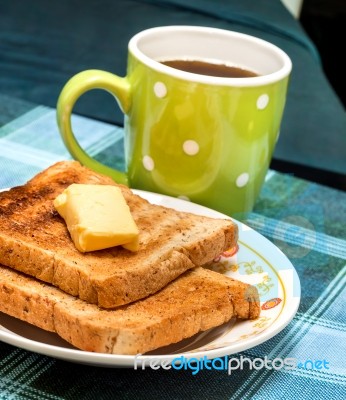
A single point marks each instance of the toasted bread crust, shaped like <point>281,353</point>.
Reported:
<point>34,240</point>
<point>196,301</point>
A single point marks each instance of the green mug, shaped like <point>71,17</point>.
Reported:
<point>207,139</point>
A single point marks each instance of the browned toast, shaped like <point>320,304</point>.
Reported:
<point>197,300</point>
<point>34,239</point>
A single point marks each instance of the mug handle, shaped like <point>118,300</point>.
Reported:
<point>74,88</point>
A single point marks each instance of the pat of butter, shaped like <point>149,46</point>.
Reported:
<point>97,217</point>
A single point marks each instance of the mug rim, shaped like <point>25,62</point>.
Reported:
<point>260,80</point>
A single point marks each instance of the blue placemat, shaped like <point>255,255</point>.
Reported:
<point>305,220</point>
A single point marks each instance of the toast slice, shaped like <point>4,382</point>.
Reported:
<point>34,239</point>
<point>198,300</point>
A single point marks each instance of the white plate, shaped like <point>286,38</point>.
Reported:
<point>258,262</point>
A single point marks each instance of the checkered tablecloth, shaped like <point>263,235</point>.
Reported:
<point>305,220</point>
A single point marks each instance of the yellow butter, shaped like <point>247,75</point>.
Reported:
<point>97,217</point>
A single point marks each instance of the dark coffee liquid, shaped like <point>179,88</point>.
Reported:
<point>210,69</point>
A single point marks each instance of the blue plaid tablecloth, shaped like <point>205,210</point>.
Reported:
<point>305,220</point>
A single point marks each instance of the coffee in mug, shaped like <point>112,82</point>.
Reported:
<point>209,68</point>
